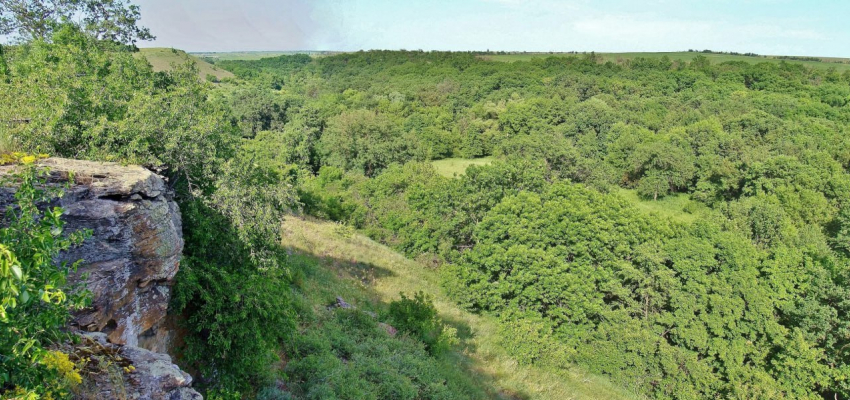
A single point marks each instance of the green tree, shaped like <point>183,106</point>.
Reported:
<point>73,98</point>
<point>108,20</point>
<point>363,141</point>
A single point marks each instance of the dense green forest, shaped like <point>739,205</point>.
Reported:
<point>682,228</point>
<point>740,293</point>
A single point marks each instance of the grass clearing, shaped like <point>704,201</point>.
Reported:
<point>678,207</point>
<point>840,64</point>
<point>162,58</point>
<point>368,274</point>
<point>451,167</point>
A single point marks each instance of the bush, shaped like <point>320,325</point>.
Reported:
<point>344,354</point>
<point>35,302</point>
<point>417,317</point>
<point>237,311</point>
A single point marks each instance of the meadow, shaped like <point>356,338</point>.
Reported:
<point>451,167</point>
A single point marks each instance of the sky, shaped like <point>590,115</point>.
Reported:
<point>775,27</point>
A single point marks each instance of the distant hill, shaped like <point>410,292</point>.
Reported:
<point>162,58</point>
<point>256,55</point>
<point>840,64</point>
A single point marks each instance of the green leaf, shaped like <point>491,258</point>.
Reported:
<point>17,273</point>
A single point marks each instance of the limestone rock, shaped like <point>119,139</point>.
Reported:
<point>154,376</point>
<point>131,259</point>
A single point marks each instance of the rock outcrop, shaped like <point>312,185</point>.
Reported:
<point>128,265</point>
<point>134,252</point>
<point>153,375</point>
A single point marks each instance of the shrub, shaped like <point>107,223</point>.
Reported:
<point>417,317</point>
<point>344,354</point>
<point>234,281</point>
<point>35,302</point>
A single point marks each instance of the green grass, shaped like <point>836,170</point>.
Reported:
<point>368,274</point>
<point>678,207</point>
<point>840,64</point>
<point>162,59</point>
<point>451,167</point>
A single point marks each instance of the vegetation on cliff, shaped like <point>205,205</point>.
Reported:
<point>35,302</point>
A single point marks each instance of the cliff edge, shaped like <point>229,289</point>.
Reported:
<point>130,261</point>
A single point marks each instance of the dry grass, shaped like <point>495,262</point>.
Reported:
<point>381,274</point>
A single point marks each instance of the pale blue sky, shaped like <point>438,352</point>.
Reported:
<point>792,27</point>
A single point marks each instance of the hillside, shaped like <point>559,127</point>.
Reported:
<point>840,64</point>
<point>370,275</point>
<point>162,58</point>
<point>680,230</point>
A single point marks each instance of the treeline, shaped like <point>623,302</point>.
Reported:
<point>745,301</point>
<point>799,58</point>
<point>731,53</point>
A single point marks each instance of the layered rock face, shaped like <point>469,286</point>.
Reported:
<point>134,252</point>
<point>128,264</point>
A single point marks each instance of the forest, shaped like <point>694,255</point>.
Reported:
<point>740,292</point>
<point>680,228</point>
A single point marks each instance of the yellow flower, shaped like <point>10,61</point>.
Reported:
<point>28,160</point>
<point>60,362</point>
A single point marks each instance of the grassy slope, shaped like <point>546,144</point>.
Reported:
<point>840,64</point>
<point>368,274</point>
<point>162,58</point>
<point>450,167</point>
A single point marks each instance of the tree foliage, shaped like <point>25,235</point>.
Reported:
<point>736,296</point>
<point>105,20</point>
